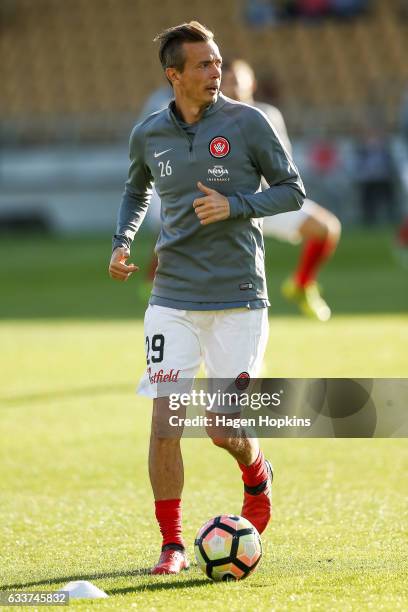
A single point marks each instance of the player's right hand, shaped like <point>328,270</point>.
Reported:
<point>118,268</point>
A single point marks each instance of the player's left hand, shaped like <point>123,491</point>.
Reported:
<point>212,207</point>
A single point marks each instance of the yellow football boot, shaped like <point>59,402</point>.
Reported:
<point>308,299</point>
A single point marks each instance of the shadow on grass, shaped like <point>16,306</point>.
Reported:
<point>154,586</point>
<point>161,586</point>
<point>63,579</point>
<point>66,393</point>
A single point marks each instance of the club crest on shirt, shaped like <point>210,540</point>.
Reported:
<point>219,146</point>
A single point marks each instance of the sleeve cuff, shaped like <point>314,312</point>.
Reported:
<point>236,208</point>
<point>119,241</point>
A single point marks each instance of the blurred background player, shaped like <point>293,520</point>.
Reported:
<point>317,228</point>
<point>375,175</point>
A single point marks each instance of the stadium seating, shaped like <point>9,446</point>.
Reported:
<point>94,58</point>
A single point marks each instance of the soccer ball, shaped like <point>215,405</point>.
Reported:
<point>228,547</point>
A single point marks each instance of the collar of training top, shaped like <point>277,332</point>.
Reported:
<point>210,110</point>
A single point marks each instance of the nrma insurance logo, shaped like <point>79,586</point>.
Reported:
<point>218,174</point>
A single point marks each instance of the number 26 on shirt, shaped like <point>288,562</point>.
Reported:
<point>165,168</point>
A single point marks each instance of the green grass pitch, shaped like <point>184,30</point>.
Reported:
<point>75,501</point>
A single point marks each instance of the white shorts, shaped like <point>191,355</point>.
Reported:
<point>228,342</point>
<point>285,226</point>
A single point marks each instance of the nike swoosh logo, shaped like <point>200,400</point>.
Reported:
<point>161,152</point>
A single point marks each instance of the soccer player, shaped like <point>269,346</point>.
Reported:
<point>206,156</point>
<point>317,228</point>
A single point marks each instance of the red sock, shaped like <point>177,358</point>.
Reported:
<point>254,474</point>
<point>168,515</point>
<point>315,251</point>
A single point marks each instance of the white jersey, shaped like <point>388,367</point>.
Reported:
<point>286,225</point>
<point>276,118</point>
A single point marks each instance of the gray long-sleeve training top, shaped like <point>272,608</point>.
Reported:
<point>220,265</point>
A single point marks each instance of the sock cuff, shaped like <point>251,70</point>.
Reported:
<point>258,461</point>
<point>167,503</point>
<point>256,473</point>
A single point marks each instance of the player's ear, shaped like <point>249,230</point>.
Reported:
<point>172,75</point>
